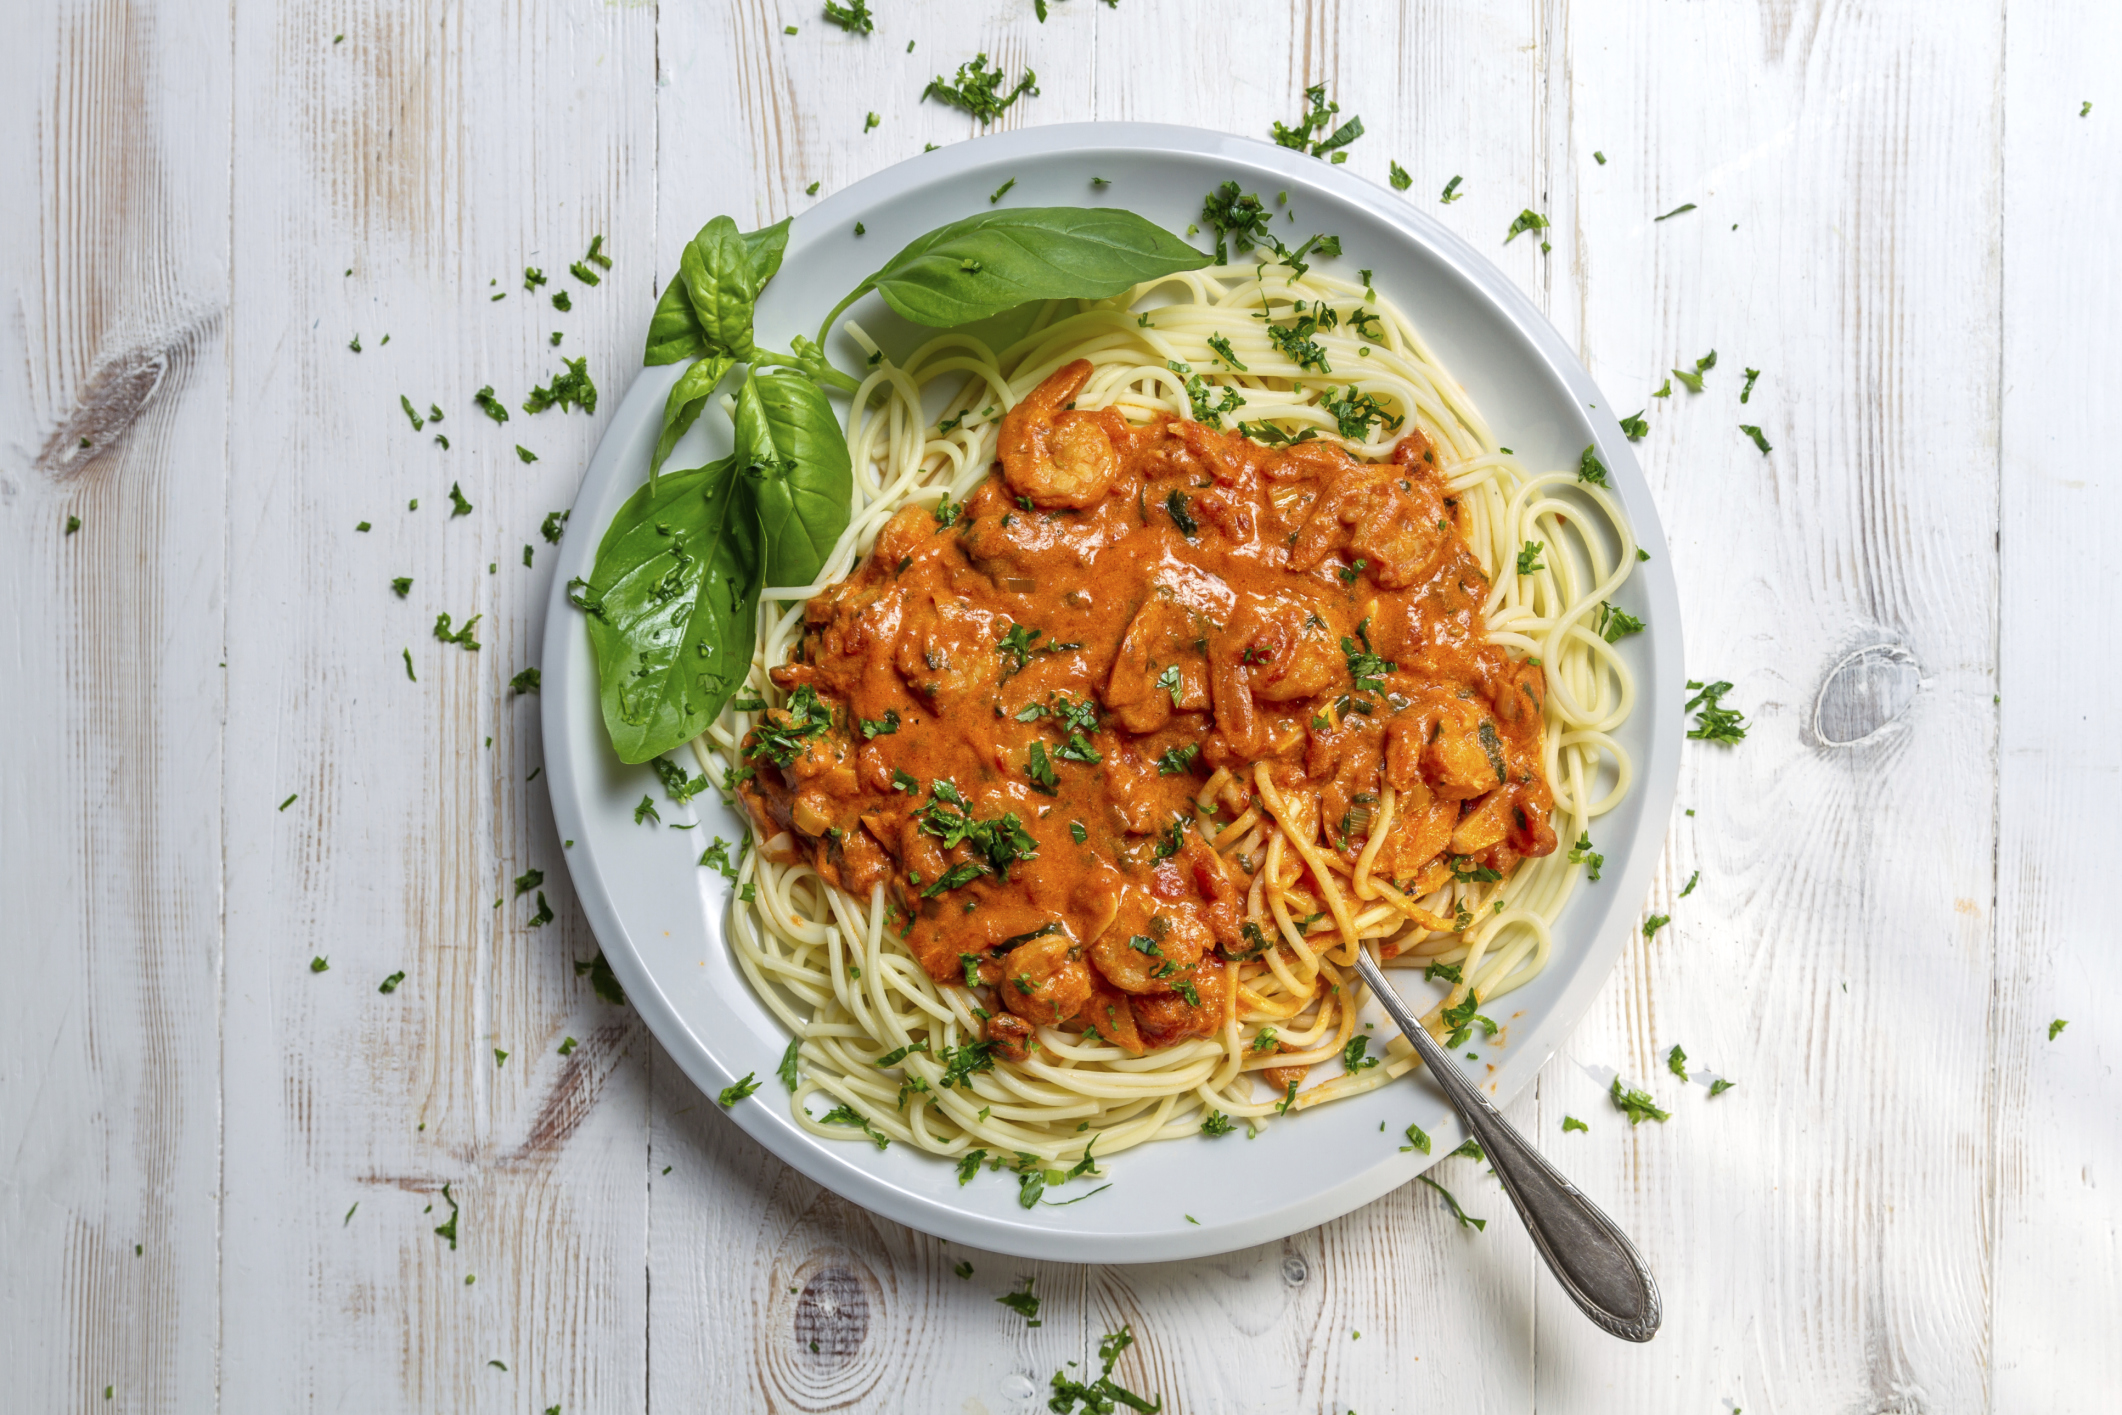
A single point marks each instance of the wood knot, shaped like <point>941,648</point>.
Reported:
<point>1865,693</point>
<point>1295,1270</point>
<point>832,1314</point>
<point>117,392</point>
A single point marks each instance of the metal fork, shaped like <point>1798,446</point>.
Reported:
<point>1589,1255</point>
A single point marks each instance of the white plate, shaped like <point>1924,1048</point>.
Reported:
<point>659,918</point>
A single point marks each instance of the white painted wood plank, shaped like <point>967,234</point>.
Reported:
<point>392,184</point>
<point>1820,1232</point>
<point>113,269</point>
<point>2058,1282</point>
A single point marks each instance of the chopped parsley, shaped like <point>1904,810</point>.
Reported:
<point>1365,668</point>
<point>1582,853</point>
<point>716,857</point>
<point>1178,761</point>
<point>1719,1086</point>
<point>462,638</point>
<point>1636,1105</point>
<point>1654,923</point>
<point>1023,1303</point>
<point>997,195</point>
<point>1221,345</point>
<point>847,1115</point>
<point>411,412</point>
<point>1217,1123</point>
<point>390,984</point>
<point>1529,558</point>
<point>545,916</point>
<point>528,681</point>
<point>571,389</point>
<point>1526,220</point>
<point>2055,1028</point>
<point>1451,192</point>
<point>1714,722</point>
<point>1178,506</point>
<point>978,89</point>
<point>1748,391</point>
<point>880,727</point>
<point>1692,881</point>
<point>1684,206</point>
<point>1398,176</point>
<point>1702,365</point>
<point>1310,133</point>
<point>804,720</point>
<point>448,1230</point>
<point>1634,427</point>
<point>1570,1122</point>
<point>1077,833</point>
<point>1464,1018</point>
<point>1676,1062</point>
<point>1417,1139</point>
<point>1041,770</point>
<point>529,880</point>
<point>1240,222</point>
<point>1614,625</point>
<point>1356,413</point>
<point>532,279</point>
<point>319,965</point>
<point>646,811</point>
<point>854,17</point>
<point>1465,1220</point>
<point>1447,971</point>
<point>458,506</point>
<point>1295,339</point>
<point>1590,468</point>
<point>490,405</point>
<point>1753,431</point>
<point>409,664</point>
<point>554,525</point>
<point>1103,1395</point>
<point>1199,393</point>
<point>1352,1057</point>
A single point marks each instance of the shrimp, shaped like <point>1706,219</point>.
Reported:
<point>1057,458</point>
<point>1044,980</point>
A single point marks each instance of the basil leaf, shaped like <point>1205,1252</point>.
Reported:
<point>707,307</point>
<point>997,260</point>
<point>673,605</point>
<point>687,397</point>
<point>797,472</point>
<point>706,315</point>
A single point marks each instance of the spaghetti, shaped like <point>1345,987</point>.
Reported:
<point>851,947</point>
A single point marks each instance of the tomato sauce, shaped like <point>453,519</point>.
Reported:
<point>1006,714</point>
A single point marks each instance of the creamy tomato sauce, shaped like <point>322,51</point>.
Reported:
<point>1006,714</point>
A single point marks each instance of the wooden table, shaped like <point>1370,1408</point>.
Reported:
<point>224,1167</point>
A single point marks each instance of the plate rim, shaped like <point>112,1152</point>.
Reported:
<point>837,1167</point>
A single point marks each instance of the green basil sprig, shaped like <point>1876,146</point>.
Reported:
<point>673,599</point>
<point>995,261</point>
<point>705,315</point>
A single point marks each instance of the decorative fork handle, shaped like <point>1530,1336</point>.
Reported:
<point>1589,1255</point>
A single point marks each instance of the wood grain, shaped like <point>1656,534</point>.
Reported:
<point>394,183</point>
<point>114,401</point>
<point>2057,1283</point>
<point>1903,1205</point>
<point>1836,958</point>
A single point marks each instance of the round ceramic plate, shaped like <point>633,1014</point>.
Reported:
<point>660,918</point>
